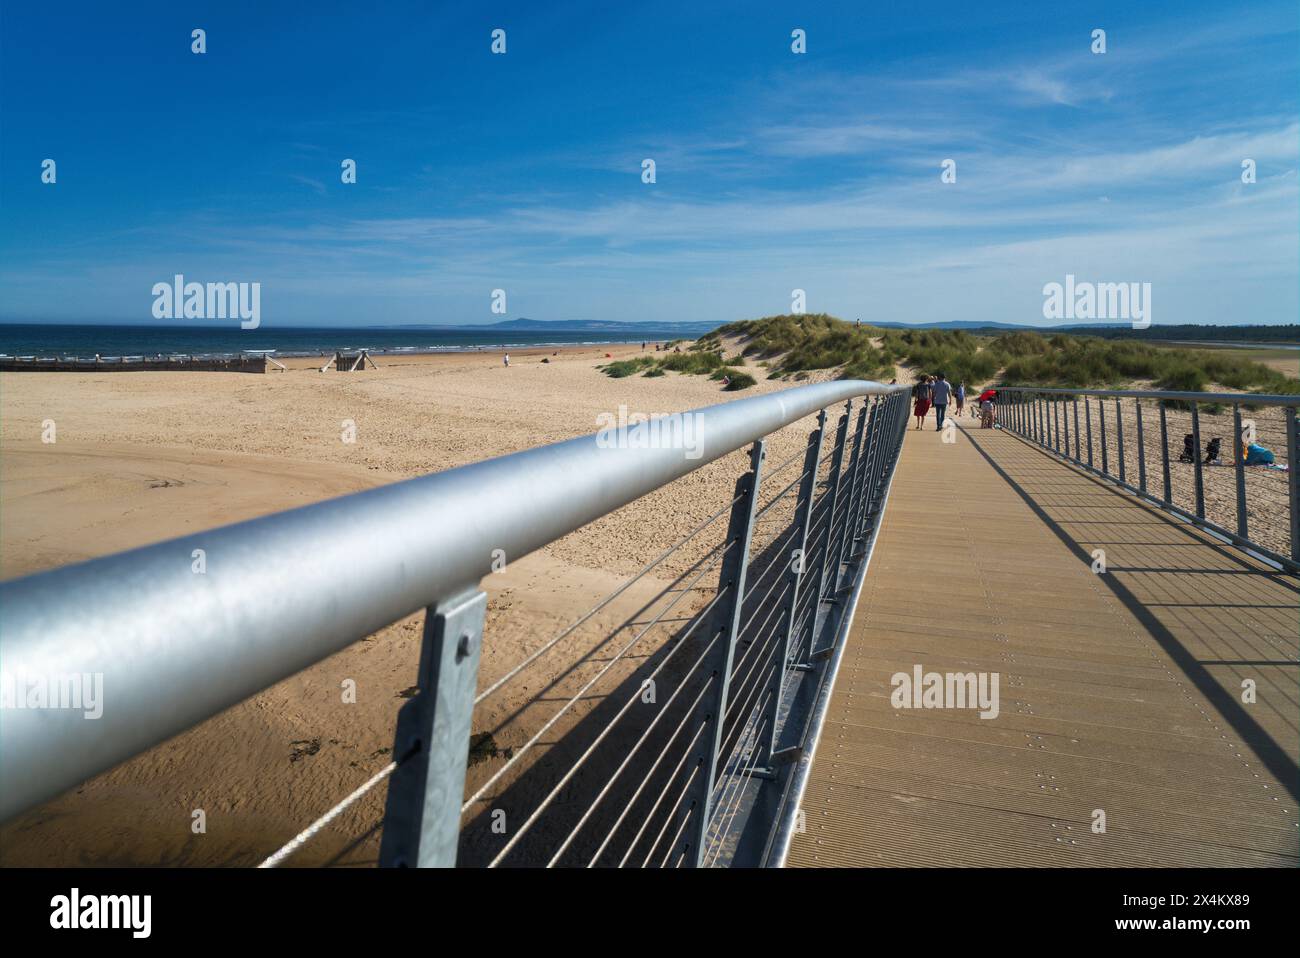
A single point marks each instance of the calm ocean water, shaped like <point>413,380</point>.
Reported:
<point>28,339</point>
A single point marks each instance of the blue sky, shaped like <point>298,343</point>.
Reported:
<point>775,171</point>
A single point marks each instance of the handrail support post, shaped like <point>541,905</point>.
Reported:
<point>431,746</point>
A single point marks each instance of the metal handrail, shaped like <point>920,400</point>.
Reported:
<point>186,628</point>
<point>1022,411</point>
<point>1262,399</point>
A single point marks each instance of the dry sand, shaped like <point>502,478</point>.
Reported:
<point>142,457</point>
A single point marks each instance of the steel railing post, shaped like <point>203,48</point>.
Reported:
<point>1142,447</point>
<point>805,528</point>
<point>1075,404</point>
<point>431,745</point>
<point>1196,461</point>
<point>1164,455</point>
<point>1101,430</point>
<point>1087,420</point>
<point>875,415</point>
<point>1239,471</point>
<point>795,575</point>
<point>830,497</point>
<point>1293,476</point>
<point>856,463</point>
<point>725,622</point>
<point>1119,438</point>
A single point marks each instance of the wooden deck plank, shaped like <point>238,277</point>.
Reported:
<point>1120,691</point>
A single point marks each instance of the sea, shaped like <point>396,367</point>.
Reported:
<point>68,340</point>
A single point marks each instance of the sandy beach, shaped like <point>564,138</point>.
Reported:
<point>142,457</point>
<point>145,456</point>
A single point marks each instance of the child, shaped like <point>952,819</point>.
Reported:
<point>987,414</point>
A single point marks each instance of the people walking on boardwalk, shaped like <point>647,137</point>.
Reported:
<point>922,393</point>
<point>988,412</point>
<point>940,390</point>
<point>959,396</point>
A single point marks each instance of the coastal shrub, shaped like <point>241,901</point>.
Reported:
<point>626,367</point>
<point>738,382</point>
<point>693,363</point>
<point>789,346</point>
<point>1184,378</point>
<point>652,373</point>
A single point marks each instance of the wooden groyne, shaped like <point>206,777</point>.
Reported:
<point>108,364</point>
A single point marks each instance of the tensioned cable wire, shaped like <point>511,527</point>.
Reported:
<point>741,726</point>
<point>777,561</point>
<point>514,759</point>
<point>663,752</point>
<point>780,495</point>
<point>604,602</point>
<point>753,642</point>
<point>636,839</point>
<point>741,715</point>
<point>725,827</point>
<point>778,469</point>
<point>729,804</point>
<point>686,787</point>
<point>310,832</point>
<point>573,769</point>
<point>694,810</point>
<point>663,710</point>
<point>744,689</point>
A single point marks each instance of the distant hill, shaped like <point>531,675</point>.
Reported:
<point>576,325</point>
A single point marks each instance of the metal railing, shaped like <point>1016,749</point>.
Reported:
<point>1186,452</point>
<point>686,744</point>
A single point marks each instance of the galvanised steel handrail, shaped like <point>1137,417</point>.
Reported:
<point>1032,413</point>
<point>184,629</point>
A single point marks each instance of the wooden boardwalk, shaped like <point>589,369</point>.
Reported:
<point>1119,692</point>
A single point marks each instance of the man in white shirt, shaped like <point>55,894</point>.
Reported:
<point>941,391</point>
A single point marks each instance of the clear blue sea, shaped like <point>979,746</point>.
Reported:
<point>30,339</point>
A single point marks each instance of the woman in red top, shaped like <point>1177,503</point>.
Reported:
<point>923,393</point>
